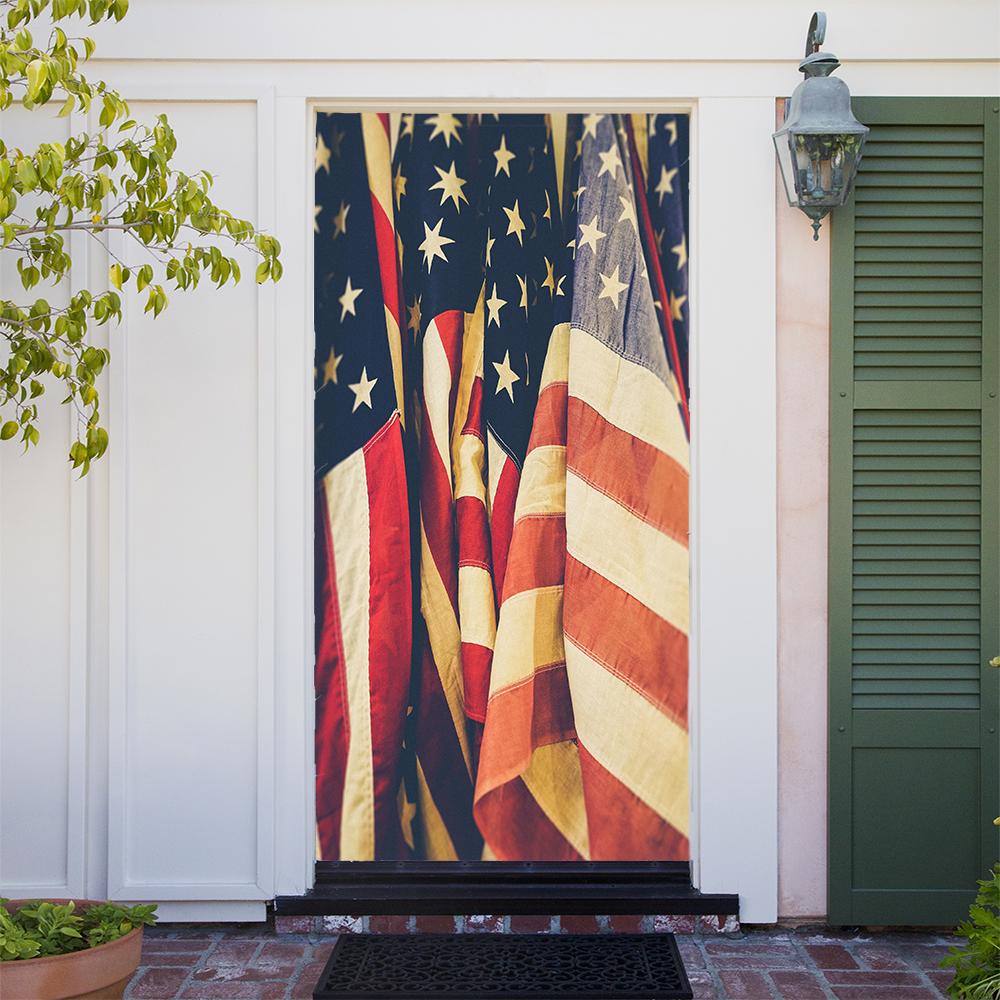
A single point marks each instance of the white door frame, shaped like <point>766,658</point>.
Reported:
<point>733,697</point>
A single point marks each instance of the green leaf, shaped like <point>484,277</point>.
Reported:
<point>8,430</point>
<point>37,74</point>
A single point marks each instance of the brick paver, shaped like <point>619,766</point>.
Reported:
<point>253,962</point>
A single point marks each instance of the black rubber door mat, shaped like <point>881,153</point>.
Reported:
<point>504,967</point>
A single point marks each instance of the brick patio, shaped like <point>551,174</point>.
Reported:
<point>234,962</point>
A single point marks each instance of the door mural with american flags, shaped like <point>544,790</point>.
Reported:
<point>502,461</point>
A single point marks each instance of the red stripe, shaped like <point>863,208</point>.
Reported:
<point>476,663</point>
<point>646,652</point>
<point>502,523</point>
<point>656,273</point>
<point>537,554</point>
<point>389,627</point>
<point>385,248</point>
<point>473,532</point>
<point>641,478</point>
<point>474,417</point>
<point>332,723</point>
<point>621,826</point>
<point>549,423</point>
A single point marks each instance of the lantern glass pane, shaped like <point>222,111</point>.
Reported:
<point>783,148</point>
<point>825,166</point>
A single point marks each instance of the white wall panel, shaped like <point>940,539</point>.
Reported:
<point>43,593</point>
<point>191,528</point>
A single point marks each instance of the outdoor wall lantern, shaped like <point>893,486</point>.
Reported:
<point>819,146</point>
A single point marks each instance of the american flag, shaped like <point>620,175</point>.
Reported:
<point>362,535</point>
<point>440,242</point>
<point>585,749</point>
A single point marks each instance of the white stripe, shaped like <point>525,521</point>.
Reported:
<point>346,488</point>
<point>437,393</point>
<point>624,549</point>
<point>476,612</point>
<point>628,736</point>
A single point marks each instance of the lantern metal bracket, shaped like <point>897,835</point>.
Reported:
<point>817,32</point>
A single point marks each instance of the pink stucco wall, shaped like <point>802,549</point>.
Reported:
<point>803,338</point>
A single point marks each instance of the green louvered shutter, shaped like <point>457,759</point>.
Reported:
<point>914,515</point>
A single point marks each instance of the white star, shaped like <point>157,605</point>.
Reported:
<point>590,123</point>
<point>413,320</point>
<point>676,302</point>
<point>682,252</point>
<point>494,303</point>
<point>406,124</point>
<point>340,220</point>
<point>451,186</point>
<point>445,125</point>
<point>434,240</point>
<point>399,183</point>
<point>316,210</point>
<point>506,376</point>
<point>362,390</point>
<point>330,367</point>
<point>612,287</point>
<point>322,158</point>
<point>666,182</point>
<point>610,161</point>
<point>515,223</point>
<point>503,156</point>
<point>550,277</point>
<point>628,212</point>
<point>523,282</point>
<point>671,125</point>
<point>589,235</point>
<point>490,240</point>
<point>348,299</point>
<point>547,214</point>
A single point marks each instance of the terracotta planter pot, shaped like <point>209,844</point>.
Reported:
<point>100,973</point>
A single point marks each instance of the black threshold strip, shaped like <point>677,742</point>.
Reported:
<point>504,967</point>
<point>363,887</point>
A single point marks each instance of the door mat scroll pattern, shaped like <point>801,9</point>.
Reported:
<point>504,967</point>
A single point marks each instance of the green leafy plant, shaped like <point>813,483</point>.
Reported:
<point>40,928</point>
<point>977,962</point>
<point>116,178</point>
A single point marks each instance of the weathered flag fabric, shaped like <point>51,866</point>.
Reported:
<point>585,752</point>
<point>534,704</point>
<point>362,539</point>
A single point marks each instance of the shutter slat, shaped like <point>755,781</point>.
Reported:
<point>903,265</point>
